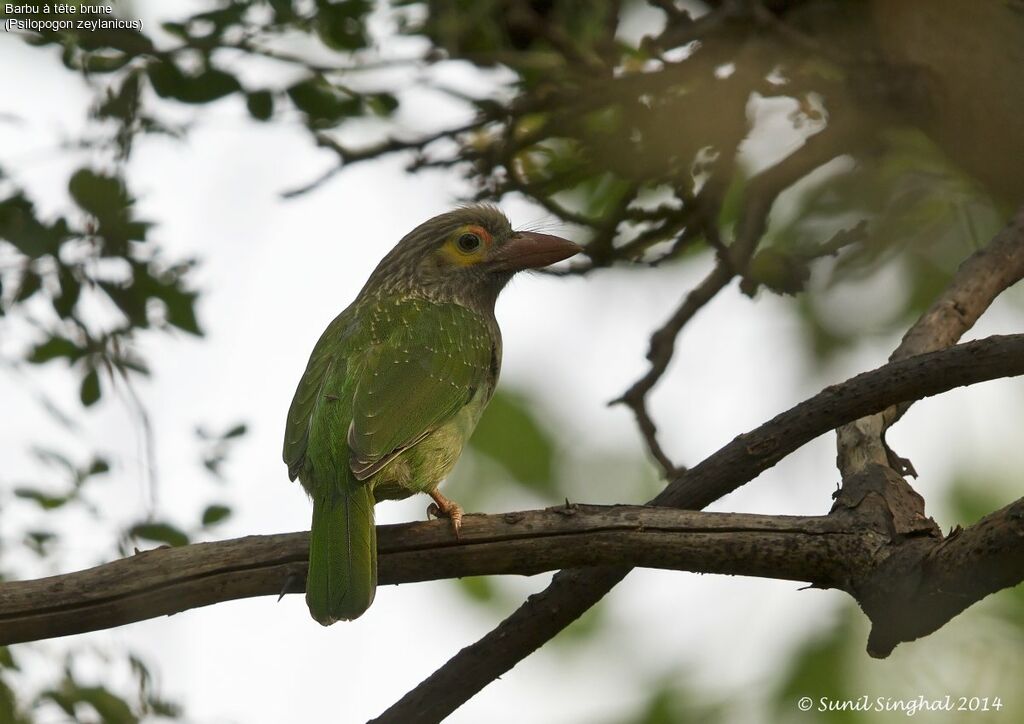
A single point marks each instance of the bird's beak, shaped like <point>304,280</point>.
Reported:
<point>530,250</point>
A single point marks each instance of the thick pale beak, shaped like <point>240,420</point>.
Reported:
<point>530,250</point>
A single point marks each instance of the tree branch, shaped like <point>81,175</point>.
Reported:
<point>170,580</point>
<point>980,279</point>
<point>573,591</point>
<point>864,554</point>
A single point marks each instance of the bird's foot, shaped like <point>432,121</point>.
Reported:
<point>442,507</point>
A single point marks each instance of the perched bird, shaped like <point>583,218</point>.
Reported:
<point>395,386</point>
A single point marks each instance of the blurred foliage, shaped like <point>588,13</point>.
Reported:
<point>893,156</point>
<point>84,702</point>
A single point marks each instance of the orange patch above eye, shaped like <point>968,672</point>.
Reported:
<point>461,249</point>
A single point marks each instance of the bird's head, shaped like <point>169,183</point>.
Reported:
<point>466,255</point>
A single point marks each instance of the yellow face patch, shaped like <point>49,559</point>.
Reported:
<point>469,245</point>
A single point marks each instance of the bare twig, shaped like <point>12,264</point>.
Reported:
<point>348,156</point>
<point>660,354</point>
<point>758,201</point>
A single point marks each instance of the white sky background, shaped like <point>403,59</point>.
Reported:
<point>273,274</point>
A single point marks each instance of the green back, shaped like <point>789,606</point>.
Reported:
<point>384,375</point>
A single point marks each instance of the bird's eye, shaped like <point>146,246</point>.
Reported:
<point>468,243</point>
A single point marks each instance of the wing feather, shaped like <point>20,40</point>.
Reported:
<point>416,380</point>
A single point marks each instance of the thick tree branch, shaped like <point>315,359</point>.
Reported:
<point>980,279</point>
<point>169,580</point>
<point>573,591</point>
<point>887,546</point>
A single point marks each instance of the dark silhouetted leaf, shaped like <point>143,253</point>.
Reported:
<point>209,85</point>
<point>129,300</point>
<point>215,514</point>
<point>324,104</point>
<point>236,431</point>
<point>123,103</point>
<point>44,500</point>
<point>30,284</point>
<point>70,290</point>
<point>56,346</point>
<point>90,390</point>
<point>159,532</point>
<point>260,105</point>
<point>105,197</point>
<point>30,236</point>
<point>111,708</point>
<point>341,25</point>
<point>382,104</point>
<point>181,311</point>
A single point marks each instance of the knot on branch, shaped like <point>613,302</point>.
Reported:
<point>878,497</point>
<point>921,579</point>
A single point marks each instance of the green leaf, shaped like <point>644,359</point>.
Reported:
<point>7,659</point>
<point>30,284</point>
<point>122,104</point>
<point>260,105</point>
<point>478,588</point>
<point>341,25</point>
<point>510,434</point>
<point>382,104</point>
<point>9,706</point>
<point>324,104</point>
<point>44,500</point>
<point>236,431</point>
<point>209,85</point>
<point>30,236</point>
<point>129,300</point>
<point>105,197</point>
<point>181,310</point>
<point>111,708</point>
<point>56,346</point>
<point>159,532</point>
<point>70,290</point>
<point>90,391</point>
<point>105,62</point>
<point>215,514</point>
<point>782,273</point>
<point>98,466</point>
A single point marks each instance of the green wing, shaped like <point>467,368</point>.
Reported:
<point>416,379</point>
<point>327,361</point>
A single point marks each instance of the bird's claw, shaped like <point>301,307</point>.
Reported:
<point>442,507</point>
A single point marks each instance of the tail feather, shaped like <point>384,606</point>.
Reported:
<point>342,578</point>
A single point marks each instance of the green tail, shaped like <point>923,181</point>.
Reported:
<point>342,576</point>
